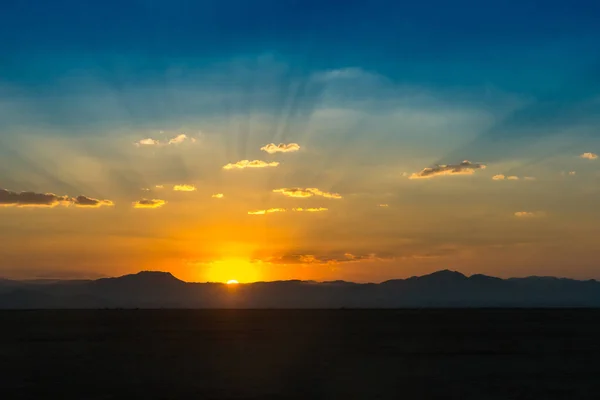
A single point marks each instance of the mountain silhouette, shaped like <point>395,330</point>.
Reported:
<point>154,289</point>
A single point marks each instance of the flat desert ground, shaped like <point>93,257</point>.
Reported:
<point>300,354</point>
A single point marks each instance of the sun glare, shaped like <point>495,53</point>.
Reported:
<point>222,271</point>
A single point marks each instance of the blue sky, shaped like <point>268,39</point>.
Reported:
<point>372,91</point>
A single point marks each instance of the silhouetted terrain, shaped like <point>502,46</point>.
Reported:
<point>300,354</point>
<point>163,290</point>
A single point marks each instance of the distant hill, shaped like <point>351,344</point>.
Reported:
<point>149,289</point>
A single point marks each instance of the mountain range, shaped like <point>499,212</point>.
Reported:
<point>442,289</point>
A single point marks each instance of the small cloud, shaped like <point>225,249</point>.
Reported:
<point>218,196</point>
<point>529,178</point>
<point>572,173</point>
<point>273,148</point>
<point>178,139</point>
<point>147,142</point>
<point>145,189</point>
<point>464,168</point>
<point>383,205</point>
<point>314,209</point>
<point>513,178</point>
<point>529,214</point>
<point>88,202</point>
<point>159,186</point>
<point>155,142</point>
<point>184,188</point>
<point>589,156</point>
<point>498,177</point>
<point>145,203</point>
<point>251,164</point>
<point>268,211</point>
<point>308,192</point>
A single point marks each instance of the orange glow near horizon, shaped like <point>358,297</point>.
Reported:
<point>243,270</point>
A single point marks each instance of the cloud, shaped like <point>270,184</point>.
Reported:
<point>529,214</point>
<point>308,192</point>
<point>314,209</point>
<point>572,173</point>
<point>48,200</point>
<point>529,178</point>
<point>178,139</point>
<point>155,142</point>
<point>272,148</point>
<point>589,156</point>
<point>184,188</point>
<point>31,199</point>
<point>88,202</point>
<point>159,186</point>
<point>148,142</point>
<point>329,259</point>
<point>268,211</point>
<point>464,168</point>
<point>383,205</point>
<point>513,178</point>
<point>218,195</point>
<point>498,177</point>
<point>251,164</point>
<point>145,203</point>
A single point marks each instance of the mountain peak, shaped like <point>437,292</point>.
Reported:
<point>445,274</point>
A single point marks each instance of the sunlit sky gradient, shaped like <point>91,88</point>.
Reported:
<point>166,110</point>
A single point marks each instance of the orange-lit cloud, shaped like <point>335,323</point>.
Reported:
<point>464,168</point>
<point>589,156</point>
<point>268,211</point>
<point>308,192</point>
<point>159,186</point>
<point>498,177</point>
<point>529,214</point>
<point>251,164</point>
<point>272,148</point>
<point>184,188</point>
<point>88,202</point>
<point>313,209</point>
<point>330,259</point>
<point>513,178</point>
<point>145,203</point>
<point>218,195</point>
<point>383,205</point>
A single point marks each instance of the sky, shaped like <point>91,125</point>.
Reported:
<point>316,140</point>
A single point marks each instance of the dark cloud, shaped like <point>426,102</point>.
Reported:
<point>31,199</point>
<point>464,168</point>
<point>146,203</point>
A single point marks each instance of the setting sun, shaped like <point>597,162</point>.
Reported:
<point>232,282</point>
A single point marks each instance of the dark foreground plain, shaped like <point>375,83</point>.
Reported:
<point>300,354</point>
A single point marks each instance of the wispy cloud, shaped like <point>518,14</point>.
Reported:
<point>322,259</point>
<point>89,202</point>
<point>572,173</point>
<point>529,178</point>
<point>383,205</point>
<point>313,209</point>
<point>308,192</point>
<point>182,137</point>
<point>268,211</point>
<point>529,214</point>
<point>145,203</point>
<point>48,200</point>
<point>250,164</point>
<point>159,186</point>
<point>218,196</point>
<point>501,177</point>
<point>464,168</point>
<point>184,188</point>
<point>273,148</point>
<point>589,156</point>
